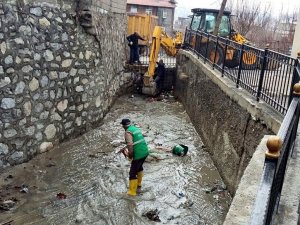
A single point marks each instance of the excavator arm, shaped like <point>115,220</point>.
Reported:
<point>160,39</point>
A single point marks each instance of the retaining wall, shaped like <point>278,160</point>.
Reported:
<point>229,120</point>
<point>56,80</point>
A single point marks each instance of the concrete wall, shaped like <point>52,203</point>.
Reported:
<point>56,81</point>
<point>230,122</point>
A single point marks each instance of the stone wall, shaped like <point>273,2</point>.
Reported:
<point>56,80</point>
<point>230,122</point>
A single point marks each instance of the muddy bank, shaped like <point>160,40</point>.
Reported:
<point>184,190</point>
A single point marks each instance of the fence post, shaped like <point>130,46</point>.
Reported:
<point>262,73</point>
<point>240,66</point>
<point>296,93</point>
<point>224,57</point>
<point>205,57</point>
<point>214,62</point>
<point>296,77</point>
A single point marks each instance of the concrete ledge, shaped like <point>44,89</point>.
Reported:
<point>242,204</point>
<point>258,110</point>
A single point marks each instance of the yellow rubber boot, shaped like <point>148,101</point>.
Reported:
<point>132,187</point>
<point>140,178</point>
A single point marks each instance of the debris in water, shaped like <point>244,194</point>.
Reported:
<point>8,223</point>
<point>61,196</point>
<point>152,215</point>
<point>50,165</point>
<point>7,205</point>
<point>93,156</point>
<point>24,190</point>
<point>216,189</point>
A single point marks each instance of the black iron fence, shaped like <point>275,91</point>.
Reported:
<point>267,75</point>
<point>280,148</point>
<point>169,61</point>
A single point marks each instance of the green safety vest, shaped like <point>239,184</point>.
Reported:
<point>140,148</point>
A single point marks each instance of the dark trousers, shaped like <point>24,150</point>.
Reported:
<point>136,166</point>
<point>134,54</point>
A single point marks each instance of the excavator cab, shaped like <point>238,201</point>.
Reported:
<point>204,20</point>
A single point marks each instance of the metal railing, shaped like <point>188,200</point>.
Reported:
<point>267,75</point>
<point>169,61</point>
<point>280,147</point>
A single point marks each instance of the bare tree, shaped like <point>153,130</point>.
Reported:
<point>219,17</point>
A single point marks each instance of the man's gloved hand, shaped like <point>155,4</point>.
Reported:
<point>131,43</point>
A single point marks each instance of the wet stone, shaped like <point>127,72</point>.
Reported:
<point>8,60</point>
<point>5,81</point>
<point>20,88</point>
<point>50,131</point>
<point>8,103</point>
<point>36,11</point>
<point>3,149</point>
<point>10,133</point>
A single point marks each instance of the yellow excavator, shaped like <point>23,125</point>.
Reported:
<point>204,20</point>
<point>160,39</point>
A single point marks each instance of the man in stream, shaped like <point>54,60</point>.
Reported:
<point>138,152</point>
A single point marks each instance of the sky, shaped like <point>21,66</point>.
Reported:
<point>184,6</point>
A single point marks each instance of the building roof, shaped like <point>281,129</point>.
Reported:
<point>159,3</point>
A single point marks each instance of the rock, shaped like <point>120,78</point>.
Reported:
<point>19,41</point>
<point>1,70</point>
<point>59,20</point>
<point>27,69</point>
<point>45,146</point>
<point>3,47</point>
<point>98,101</point>
<point>79,88</point>
<point>39,136</point>
<point>20,88</point>
<point>48,55</point>
<point>5,81</point>
<point>30,131</point>
<point>27,108</point>
<point>9,60</point>
<point>37,11</point>
<point>8,103</point>
<point>25,30</point>
<point>18,60</point>
<point>37,57</point>
<point>10,133</point>
<point>73,72</point>
<point>82,71</point>
<point>78,121</point>
<point>63,75</point>
<point>79,218</point>
<point>3,149</point>
<point>17,157</point>
<point>44,115</point>
<point>44,22</point>
<point>56,116</point>
<point>66,63</point>
<point>81,55</point>
<point>44,81</point>
<point>88,55</point>
<point>50,131</point>
<point>34,84</point>
<point>53,75</point>
<point>62,105</point>
<point>64,37</point>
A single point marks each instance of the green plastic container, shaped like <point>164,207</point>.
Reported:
<point>180,150</point>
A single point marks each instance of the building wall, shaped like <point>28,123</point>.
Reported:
<point>56,80</point>
<point>157,11</point>
<point>296,42</point>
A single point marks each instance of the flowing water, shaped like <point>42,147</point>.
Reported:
<point>183,190</point>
